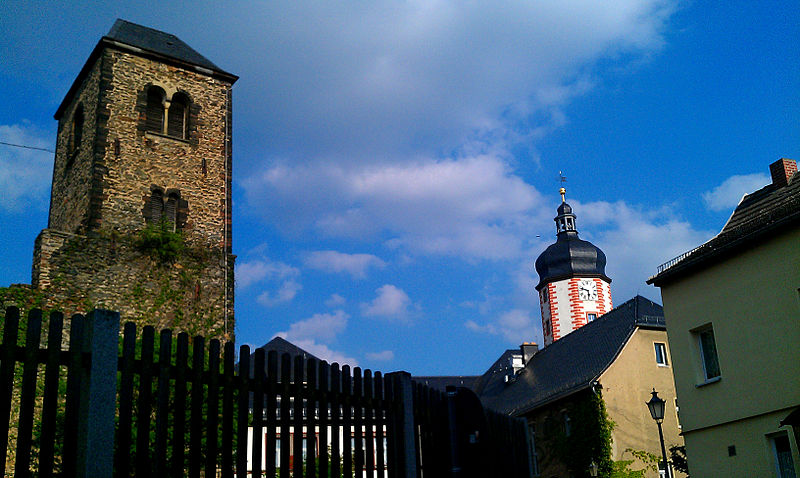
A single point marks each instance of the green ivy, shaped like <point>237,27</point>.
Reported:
<point>161,242</point>
<point>589,439</point>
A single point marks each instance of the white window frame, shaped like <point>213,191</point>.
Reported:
<point>699,333</point>
<point>661,352</point>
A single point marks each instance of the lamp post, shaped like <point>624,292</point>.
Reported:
<point>656,406</point>
<point>593,469</point>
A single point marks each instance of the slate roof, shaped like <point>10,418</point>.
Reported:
<point>281,346</point>
<point>146,42</point>
<point>159,42</point>
<point>570,364</point>
<point>763,212</point>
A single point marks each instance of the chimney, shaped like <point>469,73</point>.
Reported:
<point>528,350</point>
<point>782,171</point>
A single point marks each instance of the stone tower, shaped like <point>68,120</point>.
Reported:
<point>573,287</point>
<point>140,211</point>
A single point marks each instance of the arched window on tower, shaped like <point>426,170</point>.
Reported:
<point>154,115</point>
<point>155,206</point>
<point>177,116</point>
<point>171,210</point>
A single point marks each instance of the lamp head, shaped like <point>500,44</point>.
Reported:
<point>656,407</point>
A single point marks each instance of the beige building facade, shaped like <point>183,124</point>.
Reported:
<point>733,320</point>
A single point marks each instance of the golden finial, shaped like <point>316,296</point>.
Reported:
<point>563,194</point>
<point>562,179</point>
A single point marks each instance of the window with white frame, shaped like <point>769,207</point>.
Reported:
<point>707,347</point>
<point>661,354</point>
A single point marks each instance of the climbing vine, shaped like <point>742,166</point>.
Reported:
<point>588,438</point>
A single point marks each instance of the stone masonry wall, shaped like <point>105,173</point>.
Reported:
<point>89,256</point>
<point>72,172</point>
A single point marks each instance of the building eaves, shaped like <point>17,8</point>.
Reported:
<point>767,211</point>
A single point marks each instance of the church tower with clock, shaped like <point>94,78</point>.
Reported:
<point>573,287</point>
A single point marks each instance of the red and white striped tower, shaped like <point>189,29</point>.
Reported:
<point>573,287</point>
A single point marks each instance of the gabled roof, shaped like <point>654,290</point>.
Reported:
<point>281,346</point>
<point>570,364</point>
<point>149,43</point>
<point>161,43</point>
<point>763,212</point>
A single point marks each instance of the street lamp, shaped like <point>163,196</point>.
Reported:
<point>656,406</point>
<point>593,469</point>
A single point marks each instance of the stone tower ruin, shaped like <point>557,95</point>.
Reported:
<point>140,210</point>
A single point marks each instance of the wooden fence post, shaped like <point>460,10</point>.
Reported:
<point>405,453</point>
<point>95,444</point>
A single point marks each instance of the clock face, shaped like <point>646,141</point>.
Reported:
<point>587,289</point>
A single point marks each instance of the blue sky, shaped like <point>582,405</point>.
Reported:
<point>396,163</point>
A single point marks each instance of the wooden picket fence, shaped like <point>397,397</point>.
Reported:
<point>104,404</point>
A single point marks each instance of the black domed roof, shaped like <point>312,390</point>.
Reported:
<point>570,256</point>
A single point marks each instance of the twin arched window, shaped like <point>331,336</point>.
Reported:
<point>168,117</point>
<point>170,209</point>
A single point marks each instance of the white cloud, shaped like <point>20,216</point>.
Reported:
<point>515,326</point>
<point>354,264</point>
<point>383,356</point>
<point>285,293</point>
<point>248,273</point>
<point>728,194</point>
<point>335,300</point>
<point>636,241</point>
<point>281,276</point>
<point>324,327</point>
<point>312,333</point>
<point>323,352</point>
<point>390,302</point>
<point>418,76</point>
<point>25,174</point>
<point>473,207</point>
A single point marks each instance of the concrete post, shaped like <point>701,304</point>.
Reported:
<point>405,447</point>
<point>95,447</point>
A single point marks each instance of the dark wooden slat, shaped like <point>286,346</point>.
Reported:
<point>286,367</point>
<point>125,427</point>
<point>324,419</point>
<point>227,410</point>
<point>272,410</point>
<point>380,461</point>
<point>50,396</point>
<point>72,404</point>
<point>10,335</point>
<point>369,421</point>
<point>242,412</point>
<point>28,393</point>
<point>162,402</point>
<point>144,406</point>
<point>179,406</point>
<point>347,421</point>
<point>258,412</point>
<point>358,421</point>
<point>212,417</point>
<point>336,418</point>
<point>297,418</point>
<point>311,418</point>
<point>196,416</point>
<point>390,404</point>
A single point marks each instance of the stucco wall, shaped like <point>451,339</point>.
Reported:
<point>627,384</point>
<point>753,304</point>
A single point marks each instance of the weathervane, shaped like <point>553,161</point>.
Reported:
<point>562,179</point>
